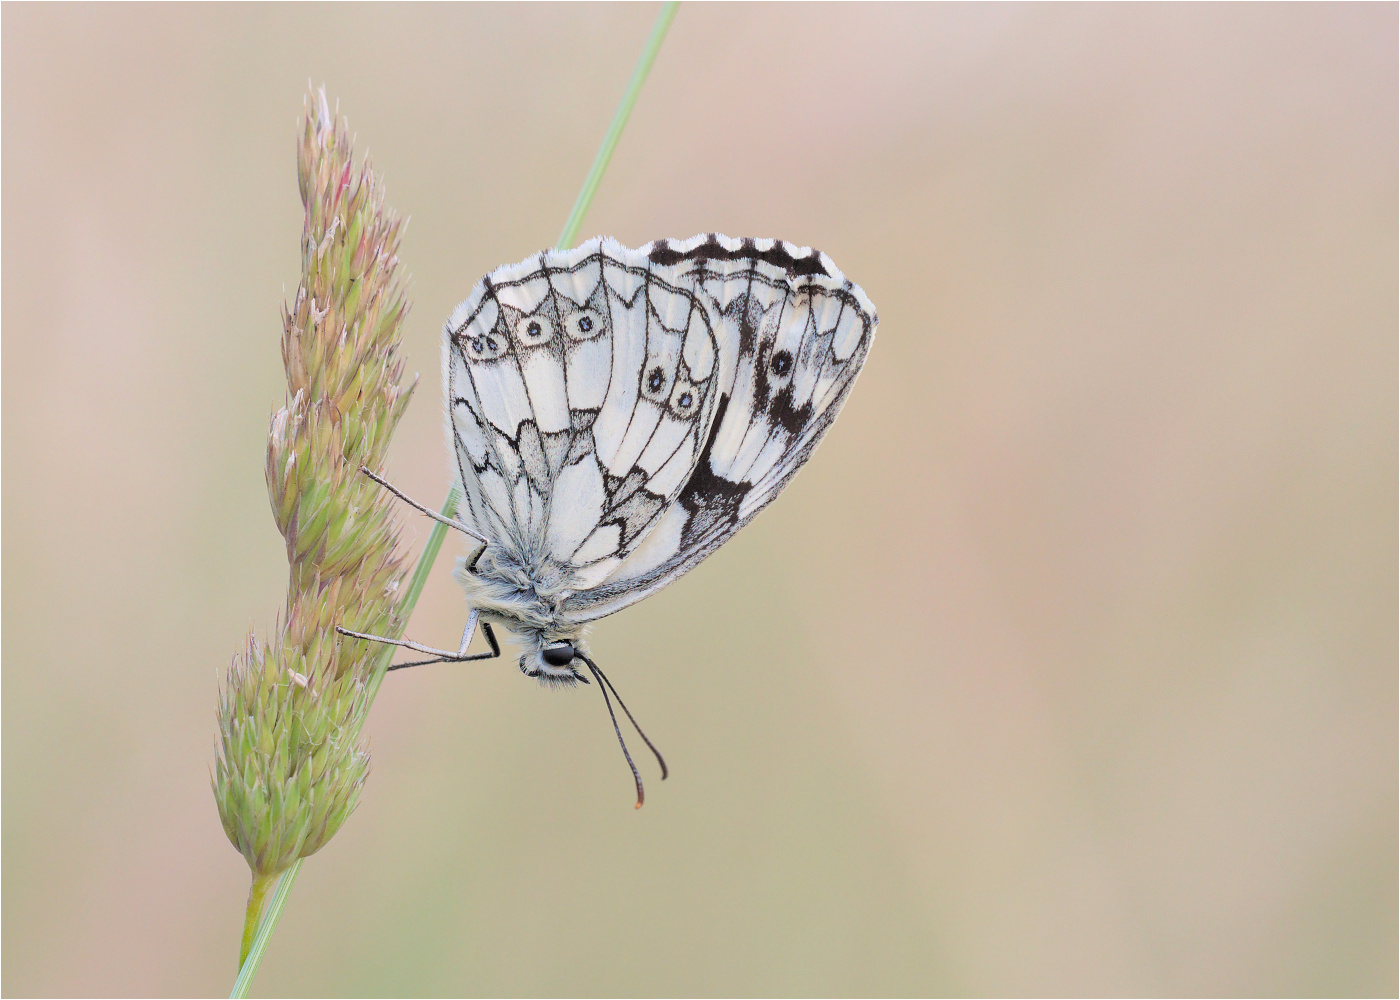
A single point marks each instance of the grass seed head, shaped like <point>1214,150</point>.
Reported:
<point>290,767</point>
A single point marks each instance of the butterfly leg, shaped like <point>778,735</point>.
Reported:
<point>463,656</point>
<point>438,655</point>
<point>451,522</point>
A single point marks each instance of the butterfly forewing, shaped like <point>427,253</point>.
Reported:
<point>617,414</point>
<point>791,341</point>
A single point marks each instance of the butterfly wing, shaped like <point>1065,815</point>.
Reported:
<point>617,414</point>
<point>580,386</point>
<point>792,334</point>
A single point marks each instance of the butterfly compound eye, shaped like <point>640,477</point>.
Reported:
<point>559,654</point>
<point>532,331</point>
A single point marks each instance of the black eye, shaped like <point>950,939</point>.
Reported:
<point>782,363</point>
<point>560,654</point>
<point>684,401</point>
<point>534,328</point>
<point>585,324</point>
<point>490,343</point>
<point>656,380</point>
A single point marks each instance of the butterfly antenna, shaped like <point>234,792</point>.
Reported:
<point>636,775</point>
<point>604,682</point>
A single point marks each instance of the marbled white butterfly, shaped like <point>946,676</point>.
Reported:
<point>617,414</point>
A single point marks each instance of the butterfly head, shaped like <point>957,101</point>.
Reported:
<point>553,661</point>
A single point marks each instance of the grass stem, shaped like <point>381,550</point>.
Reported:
<point>416,582</point>
<point>619,122</point>
<point>265,928</point>
<point>257,892</point>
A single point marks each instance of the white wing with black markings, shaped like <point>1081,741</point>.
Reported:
<point>617,414</point>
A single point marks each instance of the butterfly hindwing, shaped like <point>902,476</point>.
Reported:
<point>579,384</point>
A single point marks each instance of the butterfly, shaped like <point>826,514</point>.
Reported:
<point>616,415</point>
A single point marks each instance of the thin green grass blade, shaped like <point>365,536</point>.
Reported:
<point>619,122</point>
<point>416,582</point>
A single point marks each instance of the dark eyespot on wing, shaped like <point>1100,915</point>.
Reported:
<point>487,346</point>
<point>778,255</point>
<point>773,395</point>
<point>685,399</point>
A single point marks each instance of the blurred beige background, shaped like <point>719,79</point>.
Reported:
<point>1068,666</point>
